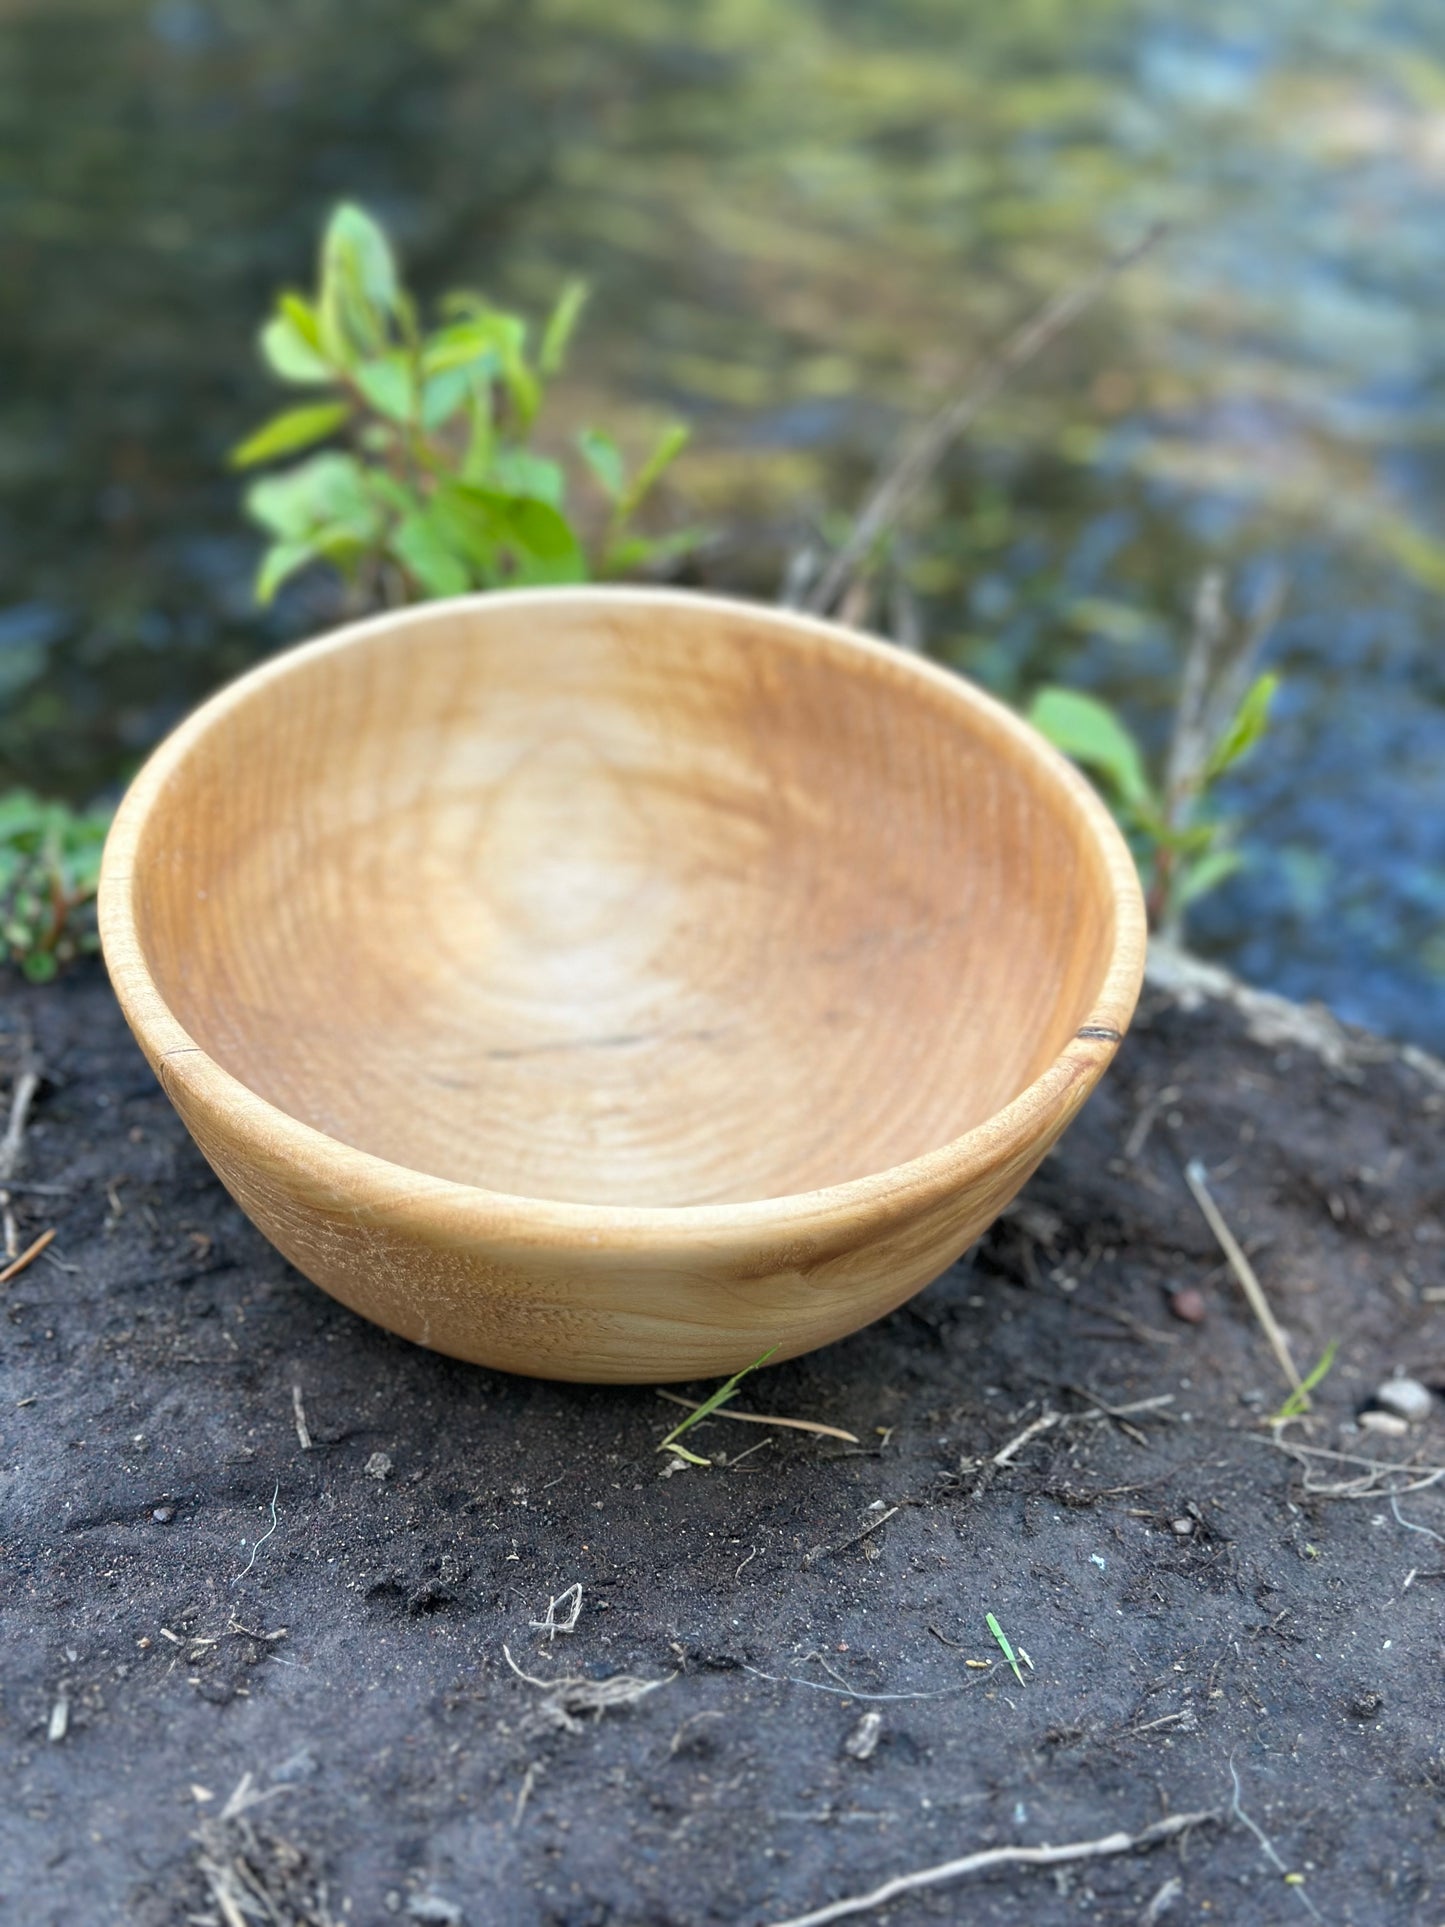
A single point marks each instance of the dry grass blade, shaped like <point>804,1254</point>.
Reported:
<point>1244,1271</point>
<point>764,1418</point>
<point>27,1257</point>
<point>923,450</point>
<point>950,1870</point>
<point>1374,1479</point>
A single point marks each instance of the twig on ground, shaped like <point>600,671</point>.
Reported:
<point>1194,1177</point>
<point>762,1418</point>
<point>1119,1414</point>
<point>27,1257</point>
<point>529,1780</point>
<point>950,1870</point>
<point>1126,1321</point>
<point>922,451</point>
<point>27,1083</point>
<point>303,1430</point>
<point>1042,1423</point>
<point>819,1552</point>
<point>1163,1900</point>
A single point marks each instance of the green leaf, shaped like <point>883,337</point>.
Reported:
<point>39,966</point>
<point>604,458</point>
<point>512,537</point>
<point>289,354</point>
<point>665,451</point>
<point>443,394</point>
<point>1204,875</point>
<point>420,541</point>
<point>517,471</point>
<point>468,523</point>
<point>550,551</point>
<point>557,335</point>
<point>389,385</point>
<point>327,507</point>
<point>331,488</point>
<point>360,294</point>
<point>303,317</point>
<point>295,429</point>
<point>280,562</point>
<point>1250,722</point>
<point>356,248</point>
<point>506,335</point>
<point>468,344</point>
<point>645,551</point>
<point>1093,735</point>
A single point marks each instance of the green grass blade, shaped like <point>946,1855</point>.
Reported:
<point>709,1405</point>
<point>1004,1647</point>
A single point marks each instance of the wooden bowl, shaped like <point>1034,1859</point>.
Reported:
<point>614,983</point>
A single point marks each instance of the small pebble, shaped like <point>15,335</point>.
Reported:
<point>863,1740</point>
<point>1407,1396</point>
<point>1182,1526</point>
<point>1189,1305</point>
<point>446,1913</point>
<point>1386,1422</point>
<point>163,1514</point>
<point>378,1466</point>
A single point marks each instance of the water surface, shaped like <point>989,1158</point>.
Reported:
<point>803,221</point>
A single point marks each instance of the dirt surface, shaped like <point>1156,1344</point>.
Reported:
<point>191,1597</point>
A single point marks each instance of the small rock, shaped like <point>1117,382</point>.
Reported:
<point>1387,1422</point>
<point>1407,1396</point>
<point>378,1466</point>
<point>432,1907</point>
<point>1189,1305</point>
<point>163,1514</point>
<point>1182,1526</point>
<point>862,1741</point>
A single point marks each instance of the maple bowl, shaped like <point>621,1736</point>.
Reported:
<point>615,984</point>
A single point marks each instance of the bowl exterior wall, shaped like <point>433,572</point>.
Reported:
<point>614,1306</point>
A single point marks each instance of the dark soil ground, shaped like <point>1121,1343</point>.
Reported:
<point>190,1597</point>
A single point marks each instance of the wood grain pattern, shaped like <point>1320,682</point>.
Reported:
<point>609,984</point>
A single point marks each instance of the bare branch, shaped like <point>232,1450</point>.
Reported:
<point>925,448</point>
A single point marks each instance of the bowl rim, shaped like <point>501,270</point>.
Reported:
<point>1023,1127</point>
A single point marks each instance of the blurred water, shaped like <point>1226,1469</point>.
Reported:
<point>802,218</point>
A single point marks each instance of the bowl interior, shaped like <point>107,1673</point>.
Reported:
<point>648,901</point>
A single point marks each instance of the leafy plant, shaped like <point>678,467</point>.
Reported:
<point>1184,847</point>
<point>424,481</point>
<point>49,868</point>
